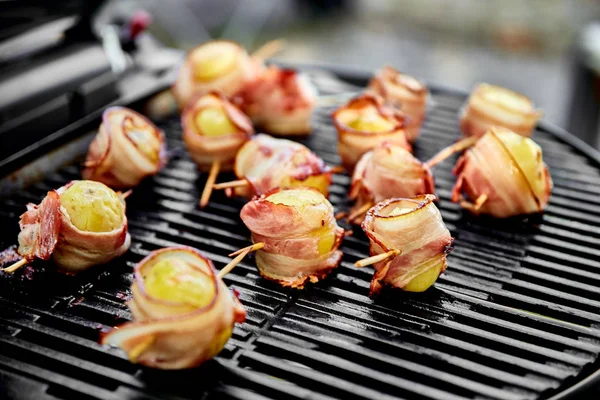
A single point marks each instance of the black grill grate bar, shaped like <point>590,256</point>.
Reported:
<point>553,210</point>
<point>450,334</point>
<point>560,238</point>
<point>442,323</point>
<point>66,387</point>
<point>267,384</point>
<point>340,388</point>
<point>581,227</point>
<point>380,349</point>
<point>385,378</point>
<point>548,307</point>
<point>562,258</point>
<point>386,360</point>
<point>523,287</point>
<point>553,280</point>
<point>74,365</point>
<point>558,270</point>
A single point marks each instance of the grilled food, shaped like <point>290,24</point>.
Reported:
<point>365,122</point>
<point>490,105</point>
<point>183,313</point>
<point>404,93</point>
<point>299,232</point>
<point>127,149</point>
<point>506,170</point>
<point>218,65</point>
<point>265,163</point>
<point>280,101</point>
<point>214,130</point>
<point>412,232</point>
<point>385,172</point>
<point>80,225</point>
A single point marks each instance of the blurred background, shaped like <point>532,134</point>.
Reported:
<point>542,48</point>
<point>546,49</point>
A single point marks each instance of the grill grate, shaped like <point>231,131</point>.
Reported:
<point>514,317</point>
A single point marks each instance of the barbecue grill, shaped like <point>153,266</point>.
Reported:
<point>515,316</point>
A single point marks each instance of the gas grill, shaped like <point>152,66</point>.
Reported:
<point>515,316</point>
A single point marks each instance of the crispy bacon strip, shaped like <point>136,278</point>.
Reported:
<point>385,172</point>
<point>404,93</point>
<point>267,163</point>
<point>352,143</point>
<point>169,334</point>
<point>508,169</point>
<point>40,227</point>
<point>415,227</point>
<point>280,101</point>
<point>300,241</point>
<point>127,148</point>
<point>205,148</point>
<point>490,105</point>
<point>238,69</point>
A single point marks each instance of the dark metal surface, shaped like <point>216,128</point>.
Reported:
<point>516,315</point>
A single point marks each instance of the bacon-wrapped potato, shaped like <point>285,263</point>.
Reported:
<point>365,122</point>
<point>218,65</point>
<point>183,313</point>
<point>404,93</point>
<point>490,105</point>
<point>415,228</point>
<point>79,225</point>
<point>280,101</point>
<point>214,130</point>
<point>506,170</point>
<point>127,148</point>
<point>385,172</point>
<point>299,232</point>
<point>267,163</point>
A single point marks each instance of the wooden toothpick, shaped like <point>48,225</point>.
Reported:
<point>340,215</point>
<point>378,258</point>
<point>269,49</point>
<point>454,148</point>
<point>241,253</point>
<point>210,182</point>
<point>126,194</point>
<point>357,213</point>
<point>232,184</point>
<point>480,201</point>
<point>16,265</point>
<point>475,207</point>
<point>338,169</point>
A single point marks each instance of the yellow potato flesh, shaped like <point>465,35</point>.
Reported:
<point>424,280</point>
<point>296,198</point>
<point>219,341</point>
<point>326,242</point>
<point>525,152</point>
<point>210,66</point>
<point>92,206</point>
<point>174,280</point>
<point>319,182</point>
<point>371,122</point>
<point>214,122</point>
<point>508,98</point>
